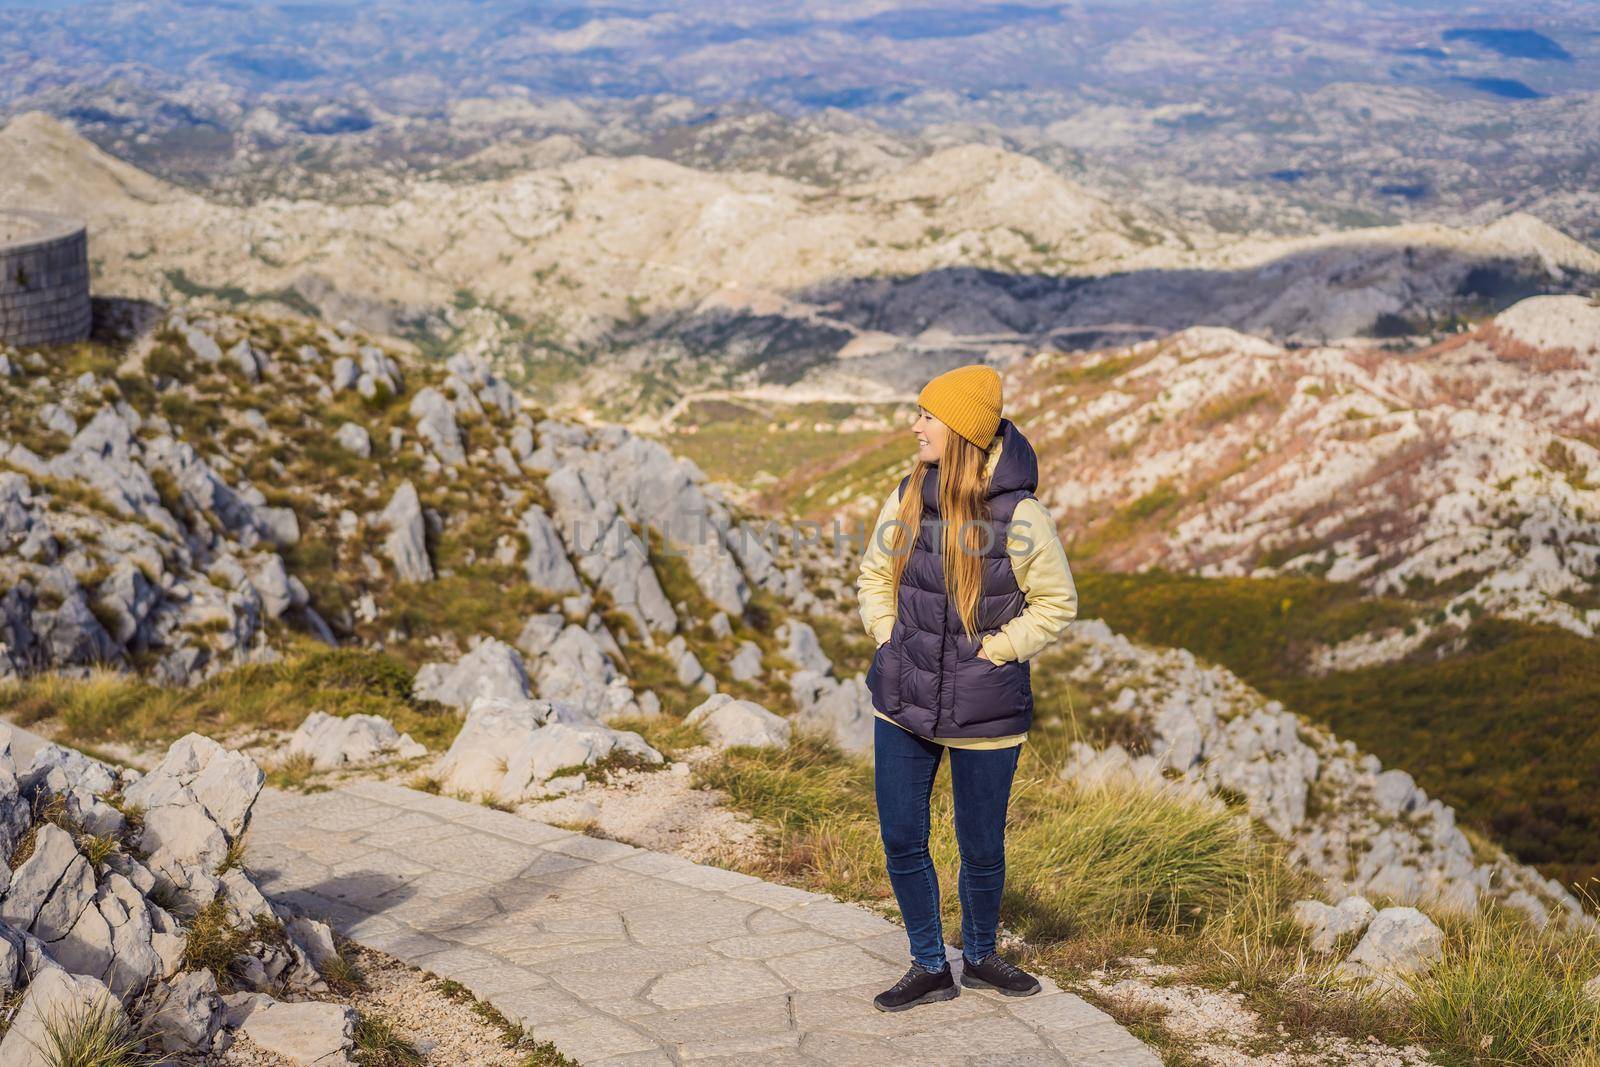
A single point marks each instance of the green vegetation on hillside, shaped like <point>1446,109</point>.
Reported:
<point>794,456</point>
<point>109,706</point>
<point>1504,726</point>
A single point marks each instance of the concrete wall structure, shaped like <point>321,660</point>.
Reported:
<point>44,278</point>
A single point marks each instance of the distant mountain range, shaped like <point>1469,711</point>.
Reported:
<point>630,282</point>
<point>1253,117</point>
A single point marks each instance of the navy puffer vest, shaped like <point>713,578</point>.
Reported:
<point>927,677</point>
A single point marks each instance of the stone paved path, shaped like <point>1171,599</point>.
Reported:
<point>625,956</point>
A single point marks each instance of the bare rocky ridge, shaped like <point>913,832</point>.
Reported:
<point>1028,252</point>
<point>1470,459</point>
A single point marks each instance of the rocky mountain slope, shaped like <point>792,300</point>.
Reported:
<point>176,504</point>
<point>188,502</point>
<point>1362,828</point>
<point>746,277</point>
<point>1468,462</point>
<point>1467,466</point>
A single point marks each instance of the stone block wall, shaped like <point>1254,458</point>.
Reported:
<point>44,279</point>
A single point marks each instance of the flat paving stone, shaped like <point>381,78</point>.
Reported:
<point>722,982</point>
<point>833,967</point>
<point>624,957</point>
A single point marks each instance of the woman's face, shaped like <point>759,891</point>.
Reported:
<point>930,434</point>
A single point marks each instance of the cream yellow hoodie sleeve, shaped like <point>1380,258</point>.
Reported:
<point>1040,564</point>
<point>875,584</point>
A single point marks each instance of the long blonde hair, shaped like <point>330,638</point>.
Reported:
<point>966,530</point>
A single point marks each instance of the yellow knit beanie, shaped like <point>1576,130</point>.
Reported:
<point>967,400</point>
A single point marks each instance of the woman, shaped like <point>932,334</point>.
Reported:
<point>957,608</point>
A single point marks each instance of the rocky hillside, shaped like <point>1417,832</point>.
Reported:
<point>1465,468</point>
<point>210,501</point>
<point>178,504</point>
<point>227,486</point>
<point>1472,462</point>
<point>1361,828</point>
<point>739,277</point>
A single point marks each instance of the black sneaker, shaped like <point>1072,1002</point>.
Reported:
<point>997,974</point>
<point>918,986</point>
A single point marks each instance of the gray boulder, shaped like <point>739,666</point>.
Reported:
<point>802,647</point>
<point>197,804</point>
<point>77,770</point>
<point>378,371</point>
<point>333,741</point>
<point>746,663</point>
<point>436,423</point>
<point>50,889</point>
<point>540,632</point>
<point>491,669</point>
<point>507,748</point>
<point>271,580</point>
<point>522,443</point>
<point>354,438</point>
<point>547,565</point>
<point>1395,792</point>
<point>688,667</point>
<point>344,374</point>
<point>573,668</point>
<point>187,1013</point>
<point>1262,756</point>
<point>650,486</point>
<point>250,362</point>
<point>53,997</point>
<point>307,1033</point>
<point>129,600</point>
<point>105,455</point>
<point>202,344</point>
<point>113,939</point>
<point>1399,942</point>
<point>196,768</point>
<point>842,710</point>
<point>608,551</point>
<point>1327,924</point>
<point>727,723</point>
<point>55,417</point>
<point>72,634</point>
<point>407,546</point>
<point>313,938</point>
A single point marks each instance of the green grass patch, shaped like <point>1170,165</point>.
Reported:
<point>780,451</point>
<point>96,1035</point>
<point>213,943</point>
<point>109,706</point>
<point>1507,994</point>
<point>1076,859</point>
<point>379,1043</point>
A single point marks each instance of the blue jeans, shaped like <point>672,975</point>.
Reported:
<point>980,785</point>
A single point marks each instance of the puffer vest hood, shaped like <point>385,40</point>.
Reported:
<point>927,677</point>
